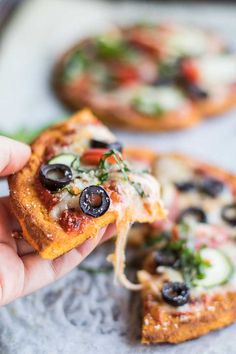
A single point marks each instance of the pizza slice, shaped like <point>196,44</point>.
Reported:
<point>188,276</point>
<point>77,182</point>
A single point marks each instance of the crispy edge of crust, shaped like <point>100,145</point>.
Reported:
<point>219,312</point>
<point>44,234</point>
<point>167,328</point>
<point>118,116</point>
<point>214,106</point>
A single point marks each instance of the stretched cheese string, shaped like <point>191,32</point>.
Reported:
<point>118,258</point>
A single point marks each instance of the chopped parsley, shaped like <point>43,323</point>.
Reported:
<point>188,260</point>
<point>104,169</point>
<point>110,48</point>
<point>189,263</point>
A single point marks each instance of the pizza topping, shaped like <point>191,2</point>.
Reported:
<point>175,293</point>
<point>94,201</point>
<point>219,271</point>
<point>92,157</point>
<point>189,70</point>
<point>211,186</point>
<point>185,186</point>
<point>65,159</point>
<point>111,47</point>
<point>181,248</point>
<point>116,145</point>
<point>194,90</point>
<point>156,101</point>
<point>75,65</point>
<point>228,214</point>
<point>217,70</point>
<point>192,213</point>
<point>165,257</point>
<point>55,176</point>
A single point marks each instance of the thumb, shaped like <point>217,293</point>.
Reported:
<point>13,155</point>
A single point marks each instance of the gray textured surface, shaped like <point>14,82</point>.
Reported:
<point>85,313</point>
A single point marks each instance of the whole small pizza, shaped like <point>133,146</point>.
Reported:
<point>149,77</point>
<point>188,276</point>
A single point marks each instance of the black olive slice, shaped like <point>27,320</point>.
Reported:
<point>55,176</point>
<point>175,293</point>
<point>165,258</point>
<point>94,201</point>
<point>211,186</point>
<point>228,214</point>
<point>185,186</point>
<point>193,212</point>
<point>116,145</point>
<point>196,92</point>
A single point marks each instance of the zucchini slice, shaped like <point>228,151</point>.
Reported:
<point>65,159</point>
<point>220,270</point>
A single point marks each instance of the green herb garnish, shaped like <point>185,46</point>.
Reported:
<point>76,64</point>
<point>143,104</point>
<point>190,263</point>
<point>104,170</point>
<point>110,48</point>
<point>26,135</point>
<point>188,260</point>
<point>157,239</point>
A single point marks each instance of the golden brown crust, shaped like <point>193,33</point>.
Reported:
<point>214,106</point>
<point>43,233</point>
<point>161,326</point>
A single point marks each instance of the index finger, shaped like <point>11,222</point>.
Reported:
<point>13,155</point>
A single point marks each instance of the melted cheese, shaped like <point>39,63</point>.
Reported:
<point>84,134</point>
<point>217,70</point>
<point>187,41</point>
<point>135,209</point>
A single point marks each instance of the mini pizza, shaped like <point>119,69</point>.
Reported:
<point>188,276</point>
<point>77,182</point>
<point>124,84</point>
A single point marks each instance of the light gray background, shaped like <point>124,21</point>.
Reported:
<point>83,313</point>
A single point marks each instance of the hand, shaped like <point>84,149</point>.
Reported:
<point>22,270</point>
